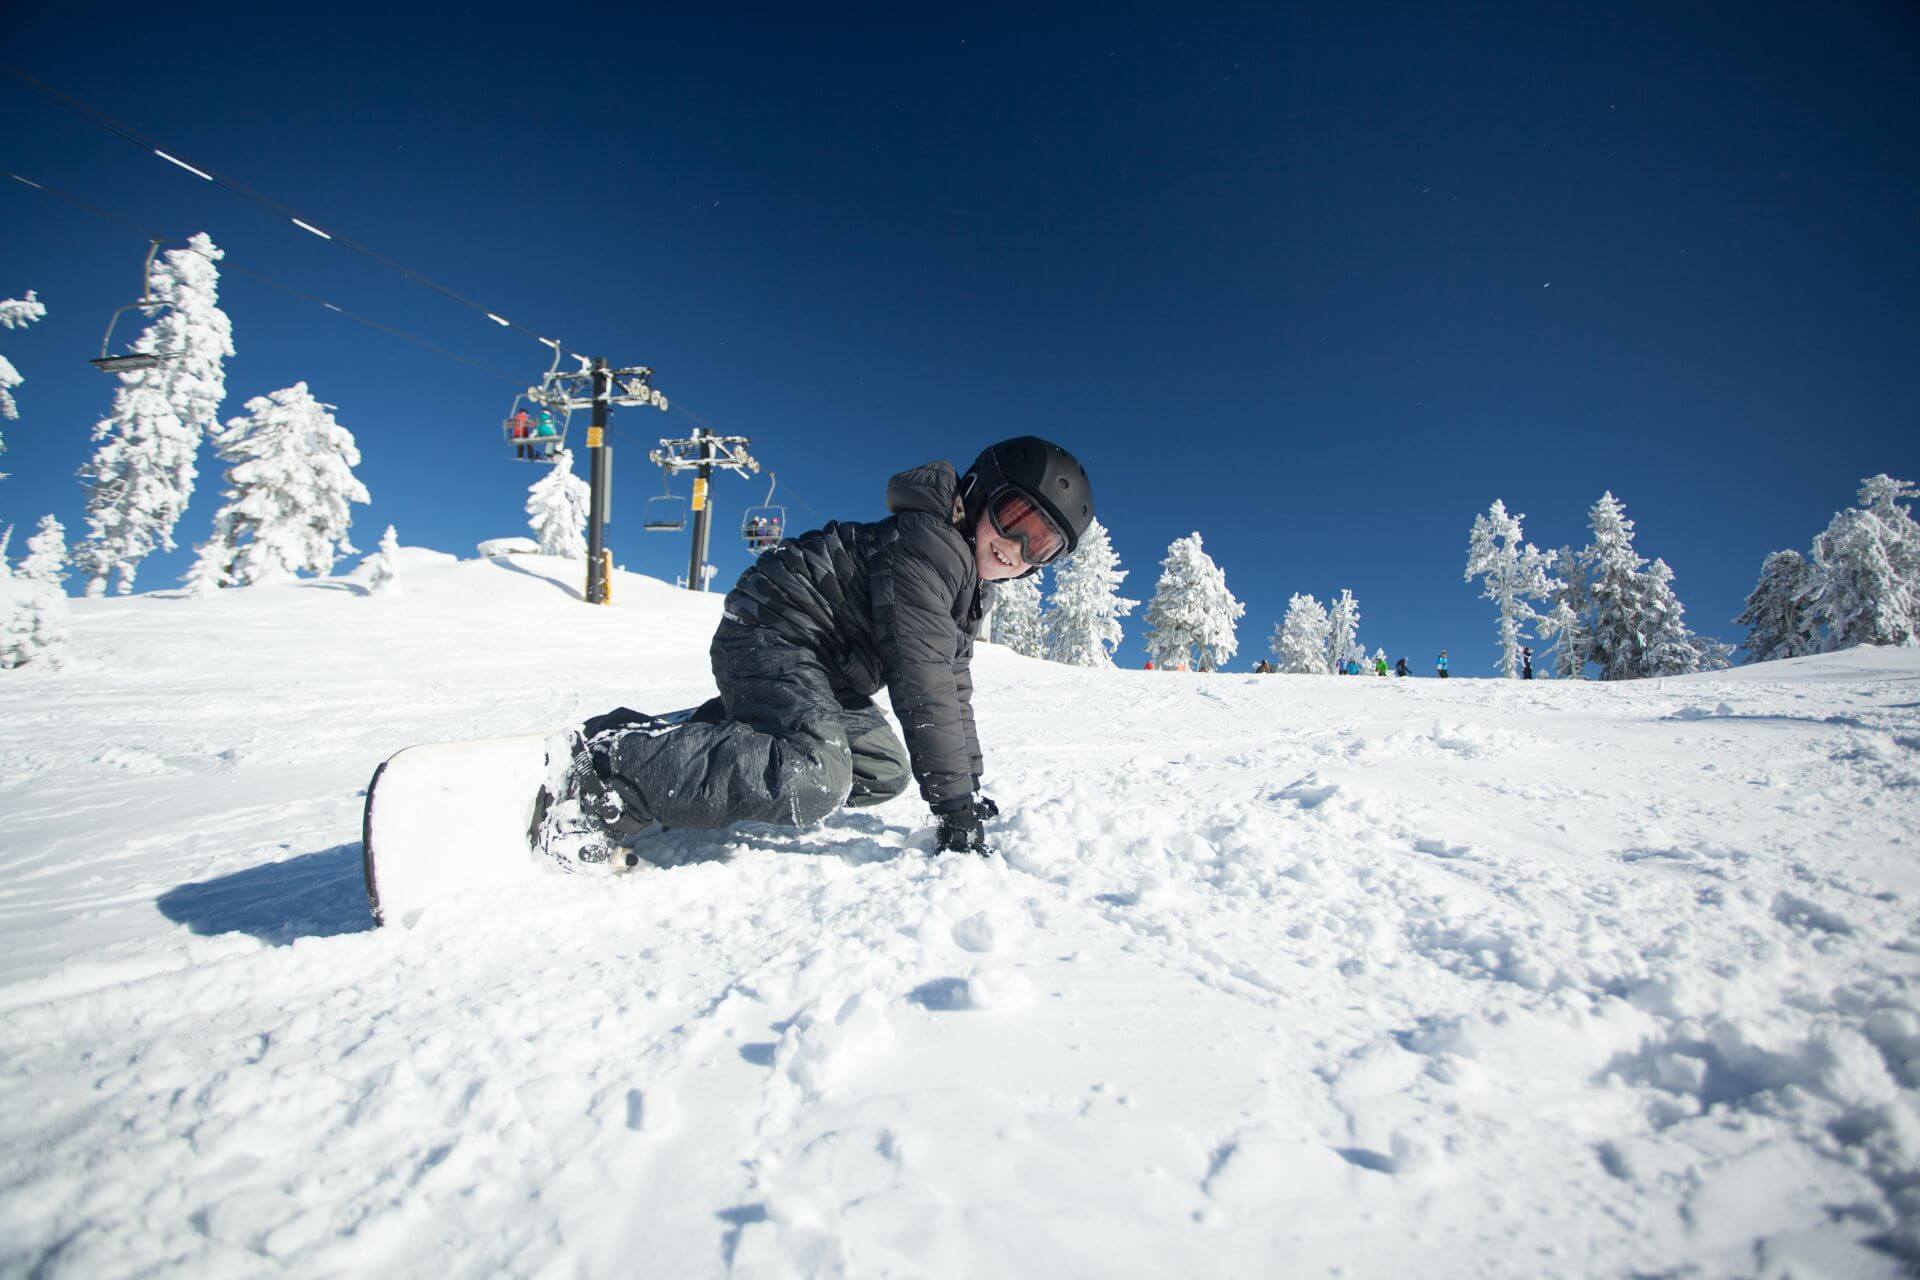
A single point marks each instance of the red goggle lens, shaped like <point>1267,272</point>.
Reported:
<point>1015,516</point>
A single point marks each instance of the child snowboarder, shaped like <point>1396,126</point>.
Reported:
<point>809,634</point>
<point>1440,665</point>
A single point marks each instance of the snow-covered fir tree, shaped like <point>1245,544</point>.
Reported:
<point>1671,649</point>
<point>15,313</point>
<point>383,566</point>
<point>46,559</point>
<point>1018,622</point>
<point>1300,641</point>
<point>33,617</point>
<point>1192,615</point>
<point>1866,569</point>
<point>1566,623</point>
<point>1777,617</point>
<point>1513,572</point>
<point>1082,620</point>
<point>1343,632</point>
<point>289,492</point>
<point>141,477</point>
<point>1633,621</point>
<point>212,564</point>
<point>1568,631</point>
<point>557,509</point>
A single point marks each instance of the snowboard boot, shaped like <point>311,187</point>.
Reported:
<point>580,818</point>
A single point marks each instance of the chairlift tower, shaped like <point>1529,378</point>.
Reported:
<point>703,453</point>
<point>597,387</point>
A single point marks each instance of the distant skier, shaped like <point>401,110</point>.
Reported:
<point>809,633</point>
<point>1400,668</point>
<point>1440,664</point>
<point>1526,664</point>
<point>1380,666</point>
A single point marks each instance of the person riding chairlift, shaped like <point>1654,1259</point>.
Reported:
<point>522,428</point>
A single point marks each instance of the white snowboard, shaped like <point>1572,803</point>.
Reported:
<point>450,817</point>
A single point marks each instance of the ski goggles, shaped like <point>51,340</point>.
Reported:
<point>1016,516</point>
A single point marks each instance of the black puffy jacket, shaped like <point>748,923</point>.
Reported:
<point>893,602</point>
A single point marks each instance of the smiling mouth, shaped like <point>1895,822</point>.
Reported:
<point>1001,556</point>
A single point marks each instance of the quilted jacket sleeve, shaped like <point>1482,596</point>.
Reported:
<point>920,573</point>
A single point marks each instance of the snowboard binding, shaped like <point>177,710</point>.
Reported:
<point>580,821</point>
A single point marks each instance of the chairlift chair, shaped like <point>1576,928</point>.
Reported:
<point>535,428</point>
<point>666,513</point>
<point>527,419</point>
<point>765,526</point>
<point>129,361</point>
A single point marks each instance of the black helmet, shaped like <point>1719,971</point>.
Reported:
<point>1043,471</point>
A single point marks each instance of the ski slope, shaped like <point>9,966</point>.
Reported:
<point>1278,976</point>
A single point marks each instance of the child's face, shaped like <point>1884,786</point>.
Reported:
<point>997,558</point>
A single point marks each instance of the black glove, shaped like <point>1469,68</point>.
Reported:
<point>984,809</point>
<point>960,833</point>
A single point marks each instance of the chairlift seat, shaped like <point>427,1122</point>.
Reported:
<point>147,304</point>
<point>533,446</point>
<point>131,361</point>
<point>763,528</point>
<point>666,513</point>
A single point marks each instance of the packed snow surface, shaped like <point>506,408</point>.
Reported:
<point>1278,975</point>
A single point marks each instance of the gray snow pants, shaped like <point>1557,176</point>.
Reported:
<point>778,745</point>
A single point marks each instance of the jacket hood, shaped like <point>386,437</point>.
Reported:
<point>930,487</point>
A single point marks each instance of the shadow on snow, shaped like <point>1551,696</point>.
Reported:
<point>314,895</point>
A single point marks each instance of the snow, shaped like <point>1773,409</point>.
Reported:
<point>1278,974</point>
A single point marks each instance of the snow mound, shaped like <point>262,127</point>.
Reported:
<point>1277,975</point>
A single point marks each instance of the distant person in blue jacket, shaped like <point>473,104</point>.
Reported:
<point>1441,664</point>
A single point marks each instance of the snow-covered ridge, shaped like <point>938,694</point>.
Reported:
<point>1278,974</point>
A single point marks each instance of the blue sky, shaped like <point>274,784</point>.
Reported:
<point>1317,281</point>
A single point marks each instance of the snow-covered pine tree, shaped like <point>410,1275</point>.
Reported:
<point>33,617</point>
<point>1343,632</point>
<point>1617,586</point>
<point>1082,620</point>
<point>1779,623</point>
<point>1192,615</point>
<point>383,566</point>
<point>1512,572</point>
<point>140,479</point>
<point>1017,619</point>
<point>46,559</point>
<point>1671,647</point>
<point>15,313</point>
<point>1866,568</point>
<point>1568,631</point>
<point>1300,641</point>
<point>290,489</point>
<point>212,566</point>
<point>1634,619</point>
<point>557,509</point>
<point>1567,623</point>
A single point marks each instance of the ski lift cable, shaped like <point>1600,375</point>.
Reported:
<point>111,125</point>
<point>129,134</point>
<point>227,264</point>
